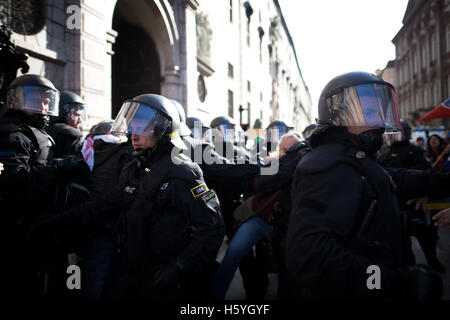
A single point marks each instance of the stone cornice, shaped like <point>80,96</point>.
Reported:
<point>193,4</point>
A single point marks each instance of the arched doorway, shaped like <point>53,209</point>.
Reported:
<point>136,67</point>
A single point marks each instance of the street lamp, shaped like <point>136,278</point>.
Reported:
<point>241,109</point>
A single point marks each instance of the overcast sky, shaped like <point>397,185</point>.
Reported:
<point>332,37</point>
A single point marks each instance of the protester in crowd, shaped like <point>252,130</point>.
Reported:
<point>438,152</point>
<point>249,232</point>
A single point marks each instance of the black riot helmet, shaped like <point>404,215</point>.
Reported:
<point>276,130</point>
<point>102,128</point>
<point>72,108</point>
<point>192,121</point>
<point>406,134</point>
<point>33,93</point>
<point>224,129</point>
<point>184,130</point>
<point>150,114</point>
<point>359,99</point>
<point>198,129</point>
<point>308,130</point>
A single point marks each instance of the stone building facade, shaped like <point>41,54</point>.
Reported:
<point>221,57</point>
<point>423,58</point>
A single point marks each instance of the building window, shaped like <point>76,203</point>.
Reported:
<point>248,32</point>
<point>448,38</point>
<point>407,70</point>
<point>402,73</point>
<point>417,102</point>
<point>433,48</point>
<point>260,50</point>
<point>435,94</point>
<point>448,85</point>
<point>201,88</point>
<point>249,86</point>
<point>231,10</point>
<point>230,71</point>
<point>230,103</point>
<point>261,96</point>
<point>248,113</point>
<point>416,61</point>
<point>424,55</point>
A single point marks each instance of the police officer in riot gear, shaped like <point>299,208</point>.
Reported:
<point>274,132</point>
<point>199,130</point>
<point>231,181</point>
<point>345,214</point>
<point>169,227</point>
<point>64,129</point>
<point>227,139</point>
<point>31,172</point>
<point>306,133</point>
<point>403,154</point>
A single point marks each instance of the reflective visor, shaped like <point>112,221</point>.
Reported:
<point>366,105</point>
<point>74,112</point>
<point>200,132</point>
<point>227,132</point>
<point>140,119</point>
<point>274,134</point>
<point>35,99</point>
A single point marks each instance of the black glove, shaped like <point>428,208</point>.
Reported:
<point>166,276</point>
<point>418,282</point>
<point>71,165</point>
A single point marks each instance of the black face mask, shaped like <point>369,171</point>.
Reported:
<point>38,121</point>
<point>142,155</point>
<point>369,142</point>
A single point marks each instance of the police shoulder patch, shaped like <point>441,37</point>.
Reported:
<point>211,200</point>
<point>199,190</point>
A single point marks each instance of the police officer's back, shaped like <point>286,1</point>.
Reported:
<point>345,214</point>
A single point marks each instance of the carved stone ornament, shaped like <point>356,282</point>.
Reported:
<point>204,36</point>
<point>26,17</point>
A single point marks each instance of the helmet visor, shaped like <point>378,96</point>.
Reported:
<point>74,112</point>
<point>140,119</point>
<point>366,105</point>
<point>274,134</point>
<point>35,99</point>
<point>226,132</point>
<point>201,132</point>
<point>240,136</point>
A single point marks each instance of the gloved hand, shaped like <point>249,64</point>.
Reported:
<point>71,165</point>
<point>166,277</point>
<point>418,282</point>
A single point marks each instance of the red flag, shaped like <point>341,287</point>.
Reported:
<point>441,111</point>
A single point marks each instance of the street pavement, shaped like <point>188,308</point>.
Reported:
<point>236,291</point>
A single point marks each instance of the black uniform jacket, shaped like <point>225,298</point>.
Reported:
<point>345,218</point>
<point>68,140</point>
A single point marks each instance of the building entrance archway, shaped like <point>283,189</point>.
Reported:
<point>136,67</point>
